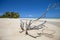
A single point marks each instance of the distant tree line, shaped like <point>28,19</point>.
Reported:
<point>10,15</point>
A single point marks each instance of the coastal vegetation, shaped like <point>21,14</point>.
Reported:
<point>10,15</point>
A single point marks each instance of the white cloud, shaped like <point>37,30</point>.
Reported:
<point>30,15</point>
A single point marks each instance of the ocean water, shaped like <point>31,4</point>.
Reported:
<point>44,19</point>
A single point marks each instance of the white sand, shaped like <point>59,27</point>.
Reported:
<point>9,30</point>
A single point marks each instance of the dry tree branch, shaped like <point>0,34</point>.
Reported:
<point>26,28</point>
<point>30,22</point>
<point>21,26</point>
<point>44,14</point>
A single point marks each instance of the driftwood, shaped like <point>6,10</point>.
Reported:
<point>43,15</point>
<point>28,26</point>
<point>40,26</point>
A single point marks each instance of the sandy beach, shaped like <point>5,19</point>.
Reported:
<point>9,29</point>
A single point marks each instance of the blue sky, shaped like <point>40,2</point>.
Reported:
<point>30,8</point>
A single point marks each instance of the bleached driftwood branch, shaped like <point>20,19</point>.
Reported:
<point>30,22</point>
